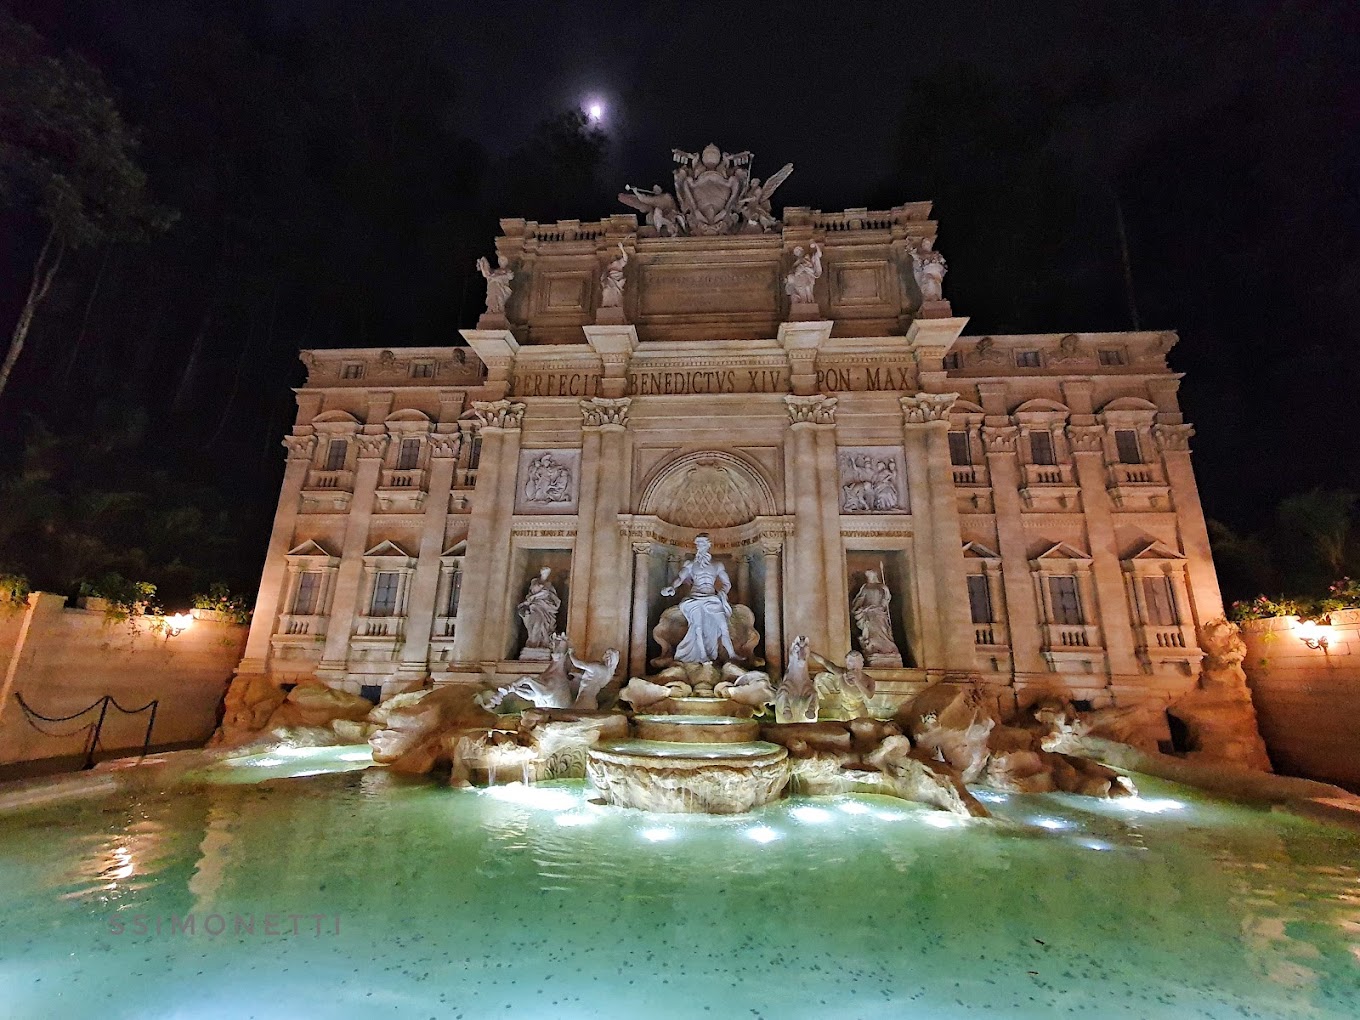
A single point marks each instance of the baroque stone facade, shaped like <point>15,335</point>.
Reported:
<point>1028,501</point>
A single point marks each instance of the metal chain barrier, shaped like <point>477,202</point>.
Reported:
<point>34,717</point>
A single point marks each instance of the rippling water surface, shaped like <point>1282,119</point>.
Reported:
<point>376,896</point>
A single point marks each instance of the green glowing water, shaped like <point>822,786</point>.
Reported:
<point>532,902</point>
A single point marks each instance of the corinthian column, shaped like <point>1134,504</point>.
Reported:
<point>334,660</point>
<point>1173,441</point>
<point>485,601</point>
<point>814,578</point>
<point>425,584</point>
<point>637,638</point>
<point>606,616</point>
<point>300,450</point>
<point>774,632</point>
<point>935,519</point>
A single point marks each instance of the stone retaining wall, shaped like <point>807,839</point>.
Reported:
<point>1308,700</point>
<point>69,658</point>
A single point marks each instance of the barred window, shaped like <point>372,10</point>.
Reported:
<point>308,594</point>
<point>980,598</point>
<point>1062,589</point>
<point>959,453</point>
<point>384,601</point>
<point>335,454</point>
<point>1160,602</point>
<point>1126,441</point>
<point>1041,448</point>
<point>455,590</point>
<point>408,455</point>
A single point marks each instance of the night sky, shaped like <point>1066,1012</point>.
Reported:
<point>1225,135</point>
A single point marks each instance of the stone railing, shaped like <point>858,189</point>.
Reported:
<point>1046,474</point>
<point>302,626</point>
<point>1136,474</point>
<point>410,478</point>
<point>379,626</point>
<point>342,480</point>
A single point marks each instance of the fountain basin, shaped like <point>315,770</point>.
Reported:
<point>689,778</point>
<point>697,729</point>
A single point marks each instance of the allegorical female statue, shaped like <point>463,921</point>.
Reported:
<point>872,617</point>
<point>539,613</point>
<point>498,282</point>
<point>706,608</point>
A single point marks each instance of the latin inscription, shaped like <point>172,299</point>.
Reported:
<point>682,381</point>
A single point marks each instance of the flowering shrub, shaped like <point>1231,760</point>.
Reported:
<point>13,593</point>
<point>1342,594</point>
<point>220,600</point>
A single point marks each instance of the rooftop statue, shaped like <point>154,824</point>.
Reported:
<point>714,194</point>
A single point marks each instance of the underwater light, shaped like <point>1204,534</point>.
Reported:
<point>991,796</point>
<point>658,835</point>
<point>813,815</point>
<point>532,796</point>
<point>1148,805</point>
<point>1052,823</point>
<point>1095,844</point>
<point>266,762</point>
<point>357,756</point>
<point>941,820</point>
<point>890,816</point>
<point>308,772</point>
<point>854,807</point>
<point>762,834</point>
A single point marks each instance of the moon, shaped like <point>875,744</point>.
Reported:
<point>595,111</point>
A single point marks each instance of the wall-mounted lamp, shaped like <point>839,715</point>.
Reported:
<point>1315,634</point>
<point>177,624</point>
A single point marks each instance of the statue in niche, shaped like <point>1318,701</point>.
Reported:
<point>658,206</point>
<point>870,610</point>
<point>547,481</point>
<point>497,284</point>
<point>611,281</point>
<point>929,267</point>
<point>706,608</point>
<point>807,268</point>
<point>539,613</point>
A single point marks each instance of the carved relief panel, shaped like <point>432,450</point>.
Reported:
<point>873,480</point>
<point>548,481</point>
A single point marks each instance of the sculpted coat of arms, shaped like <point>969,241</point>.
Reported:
<point>714,194</point>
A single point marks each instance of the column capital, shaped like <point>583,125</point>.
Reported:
<point>605,411</point>
<point>642,548</point>
<point>927,407</point>
<point>372,446</point>
<point>300,447</point>
<point>816,410</point>
<point>1173,437</point>
<point>498,414</point>
<point>1086,438</point>
<point>1000,438</point>
<point>446,444</point>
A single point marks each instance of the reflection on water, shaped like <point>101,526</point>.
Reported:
<point>532,901</point>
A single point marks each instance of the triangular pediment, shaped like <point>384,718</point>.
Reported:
<point>1062,551</point>
<point>458,548</point>
<point>976,550</point>
<point>1155,550</point>
<point>388,548</point>
<point>309,548</point>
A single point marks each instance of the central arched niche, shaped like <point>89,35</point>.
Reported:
<point>707,490</point>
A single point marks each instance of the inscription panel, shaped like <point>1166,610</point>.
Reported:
<point>668,289</point>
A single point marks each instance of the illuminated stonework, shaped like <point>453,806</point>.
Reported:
<point>1027,501</point>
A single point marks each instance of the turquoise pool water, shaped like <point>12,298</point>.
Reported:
<point>413,900</point>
